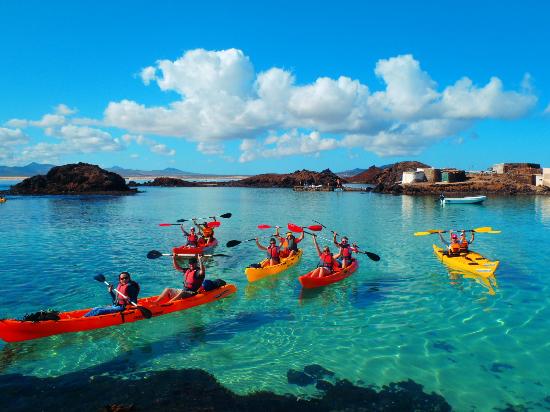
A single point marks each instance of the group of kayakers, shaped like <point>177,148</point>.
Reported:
<point>127,290</point>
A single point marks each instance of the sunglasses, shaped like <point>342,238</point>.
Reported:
<point>124,277</point>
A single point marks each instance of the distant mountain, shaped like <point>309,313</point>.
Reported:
<point>30,170</point>
<point>169,171</point>
<point>350,173</point>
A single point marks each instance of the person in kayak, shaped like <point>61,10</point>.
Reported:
<point>192,238</point>
<point>289,243</point>
<point>193,276</point>
<point>327,263</point>
<point>345,250</point>
<point>453,247</point>
<point>272,251</point>
<point>207,232</point>
<point>127,287</point>
<point>464,243</point>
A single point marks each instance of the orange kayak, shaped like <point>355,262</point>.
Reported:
<point>309,283</point>
<point>12,330</point>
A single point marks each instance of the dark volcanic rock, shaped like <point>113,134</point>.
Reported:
<point>79,178</point>
<point>368,176</point>
<point>298,178</point>
<point>169,182</point>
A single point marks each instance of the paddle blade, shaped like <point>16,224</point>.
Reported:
<point>295,228</point>
<point>422,233</point>
<point>182,220</point>
<point>233,243</point>
<point>154,254</point>
<point>264,227</point>
<point>99,277</point>
<point>213,224</point>
<point>373,256</point>
<point>147,314</point>
<point>226,215</point>
<point>315,228</point>
<point>484,229</point>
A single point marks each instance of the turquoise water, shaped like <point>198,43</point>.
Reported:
<point>403,317</point>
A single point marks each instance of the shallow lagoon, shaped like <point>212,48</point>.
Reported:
<point>400,318</point>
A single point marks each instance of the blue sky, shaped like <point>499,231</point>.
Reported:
<point>249,88</point>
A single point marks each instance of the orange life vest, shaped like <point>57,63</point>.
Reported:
<point>464,245</point>
<point>454,248</point>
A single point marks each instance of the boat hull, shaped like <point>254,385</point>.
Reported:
<point>308,282</point>
<point>254,274</point>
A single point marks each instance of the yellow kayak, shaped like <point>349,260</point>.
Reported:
<point>254,274</point>
<point>470,261</point>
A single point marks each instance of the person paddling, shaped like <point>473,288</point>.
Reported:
<point>464,243</point>
<point>272,251</point>
<point>193,277</point>
<point>192,238</point>
<point>289,244</point>
<point>453,248</point>
<point>327,262</point>
<point>345,250</point>
<point>127,287</point>
<point>206,232</point>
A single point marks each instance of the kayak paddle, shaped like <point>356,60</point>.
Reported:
<point>372,256</point>
<point>484,229</point>
<point>233,243</point>
<point>144,311</point>
<point>155,254</point>
<point>213,224</point>
<point>169,224</point>
<point>225,216</point>
<point>262,227</point>
<point>295,228</point>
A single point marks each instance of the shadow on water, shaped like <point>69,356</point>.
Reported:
<point>217,331</point>
<point>94,389</point>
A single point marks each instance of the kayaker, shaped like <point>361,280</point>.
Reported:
<point>345,250</point>
<point>453,248</point>
<point>289,243</point>
<point>193,276</point>
<point>192,238</point>
<point>206,231</point>
<point>327,263</point>
<point>464,243</point>
<point>127,287</point>
<point>272,251</point>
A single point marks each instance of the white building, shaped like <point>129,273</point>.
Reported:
<point>412,177</point>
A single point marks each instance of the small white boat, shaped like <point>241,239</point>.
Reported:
<point>463,200</point>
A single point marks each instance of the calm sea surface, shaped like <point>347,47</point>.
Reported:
<point>403,317</point>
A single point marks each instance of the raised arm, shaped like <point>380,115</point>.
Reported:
<point>201,265</point>
<point>316,245</point>
<point>184,231</point>
<point>334,239</point>
<point>301,237</point>
<point>442,240</point>
<point>473,236</point>
<point>177,265</point>
<point>259,245</point>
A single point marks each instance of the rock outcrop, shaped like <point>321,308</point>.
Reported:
<point>298,178</point>
<point>78,178</point>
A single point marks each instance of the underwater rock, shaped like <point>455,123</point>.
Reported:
<point>447,347</point>
<point>500,367</point>
<point>323,385</point>
<point>317,371</point>
<point>299,378</point>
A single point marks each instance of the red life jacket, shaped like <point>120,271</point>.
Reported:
<point>327,261</point>
<point>346,251</point>
<point>127,290</point>
<point>273,252</point>
<point>192,280</point>
<point>192,240</point>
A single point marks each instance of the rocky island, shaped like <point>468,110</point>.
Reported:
<point>76,178</point>
<point>298,178</point>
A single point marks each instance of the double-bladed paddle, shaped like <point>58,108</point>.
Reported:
<point>233,243</point>
<point>484,229</point>
<point>144,311</point>
<point>155,254</point>
<point>295,228</point>
<point>225,216</point>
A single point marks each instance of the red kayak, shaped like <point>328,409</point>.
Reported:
<point>12,330</point>
<point>309,283</point>
<point>192,251</point>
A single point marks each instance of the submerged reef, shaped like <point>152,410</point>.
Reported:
<point>197,390</point>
